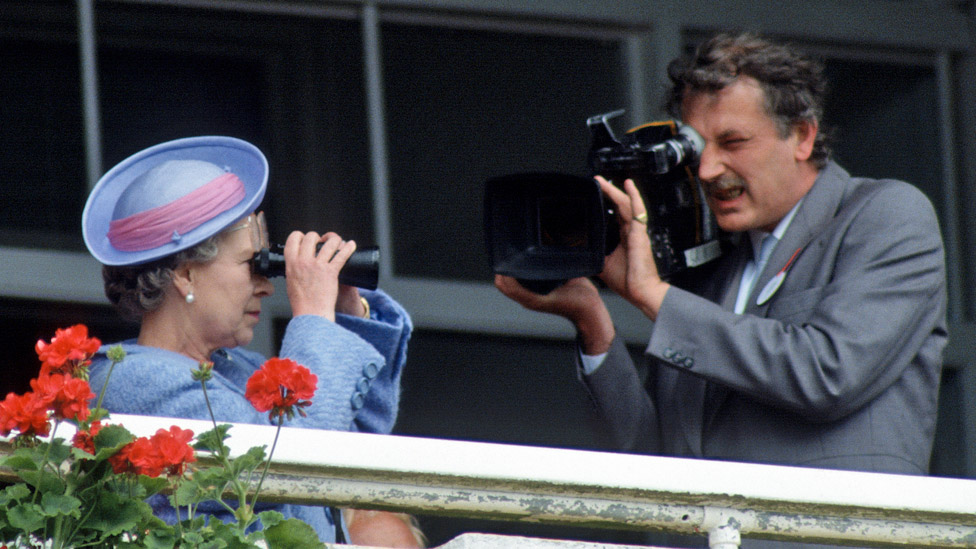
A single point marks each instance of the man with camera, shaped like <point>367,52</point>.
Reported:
<point>817,338</point>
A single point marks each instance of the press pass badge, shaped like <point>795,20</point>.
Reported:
<point>774,283</point>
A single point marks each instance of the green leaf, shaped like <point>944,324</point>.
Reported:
<point>44,481</point>
<point>231,536</point>
<point>270,518</point>
<point>78,454</point>
<point>291,534</point>
<point>196,524</point>
<point>113,514</point>
<point>30,458</point>
<point>54,505</point>
<point>14,492</point>
<point>21,460</point>
<point>191,492</point>
<point>109,439</point>
<point>152,485</point>
<point>158,538</point>
<point>56,451</point>
<point>193,538</point>
<point>248,461</point>
<point>205,484</point>
<point>26,517</point>
<point>213,440</point>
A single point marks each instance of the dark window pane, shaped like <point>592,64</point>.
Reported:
<point>41,145</point>
<point>24,321</point>
<point>290,85</point>
<point>465,105</point>
<point>886,117</point>
<point>150,96</point>
<point>496,389</point>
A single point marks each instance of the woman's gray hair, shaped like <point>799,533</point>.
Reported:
<point>138,289</point>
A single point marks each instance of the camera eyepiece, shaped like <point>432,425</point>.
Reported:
<point>361,270</point>
<point>685,147</point>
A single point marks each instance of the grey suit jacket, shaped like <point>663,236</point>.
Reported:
<point>839,368</point>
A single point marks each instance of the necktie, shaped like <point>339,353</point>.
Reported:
<point>751,273</point>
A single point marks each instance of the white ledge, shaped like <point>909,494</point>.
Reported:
<point>599,489</point>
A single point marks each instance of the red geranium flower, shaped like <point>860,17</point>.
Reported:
<point>68,351</point>
<point>280,386</point>
<point>85,439</point>
<point>165,452</point>
<point>135,457</point>
<point>173,449</point>
<point>26,413</point>
<point>64,395</point>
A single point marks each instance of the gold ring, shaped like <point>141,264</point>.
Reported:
<point>642,218</point>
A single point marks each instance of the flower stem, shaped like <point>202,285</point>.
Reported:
<point>101,394</point>
<point>59,521</point>
<point>206,398</point>
<point>267,464</point>
<point>46,458</point>
<point>220,450</point>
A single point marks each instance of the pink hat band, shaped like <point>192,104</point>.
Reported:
<point>156,226</point>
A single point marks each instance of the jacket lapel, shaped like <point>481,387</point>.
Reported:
<point>819,206</point>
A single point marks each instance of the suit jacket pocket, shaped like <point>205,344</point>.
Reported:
<point>795,307</point>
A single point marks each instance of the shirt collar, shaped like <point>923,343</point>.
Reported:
<point>756,236</point>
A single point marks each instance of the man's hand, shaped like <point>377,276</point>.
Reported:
<point>577,300</point>
<point>630,270</point>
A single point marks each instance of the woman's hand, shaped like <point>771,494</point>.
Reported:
<point>312,278</point>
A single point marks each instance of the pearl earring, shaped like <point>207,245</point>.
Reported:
<point>190,298</point>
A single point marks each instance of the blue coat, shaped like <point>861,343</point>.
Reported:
<point>358,363</point>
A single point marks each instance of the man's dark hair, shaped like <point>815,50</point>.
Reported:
<point>793,85</point>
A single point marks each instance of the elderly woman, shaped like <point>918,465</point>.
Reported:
<point>176,229</point>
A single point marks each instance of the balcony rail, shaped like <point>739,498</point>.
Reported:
<point>722,500</point>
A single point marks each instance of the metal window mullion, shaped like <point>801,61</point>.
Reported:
<point>943,71</point>
<point>376,120</point>
<point>91,117</point>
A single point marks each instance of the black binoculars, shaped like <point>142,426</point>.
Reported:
<point>361,270</point>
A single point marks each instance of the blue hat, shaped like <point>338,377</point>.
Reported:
<point>172,196</point>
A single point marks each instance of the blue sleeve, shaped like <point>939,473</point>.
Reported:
<point>362,360</point>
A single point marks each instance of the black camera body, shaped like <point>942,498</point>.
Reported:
<point>659,157</point>
<point>545,228</point>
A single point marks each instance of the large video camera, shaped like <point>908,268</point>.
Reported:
<point>545,228</point>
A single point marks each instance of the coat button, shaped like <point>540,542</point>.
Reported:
<point>358,400</point>
<point>371,371</point>
<point>363,386</point>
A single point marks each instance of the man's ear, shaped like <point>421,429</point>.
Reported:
<point>806,136</point>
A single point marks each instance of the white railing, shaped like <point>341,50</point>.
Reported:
<point>722,500</point>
